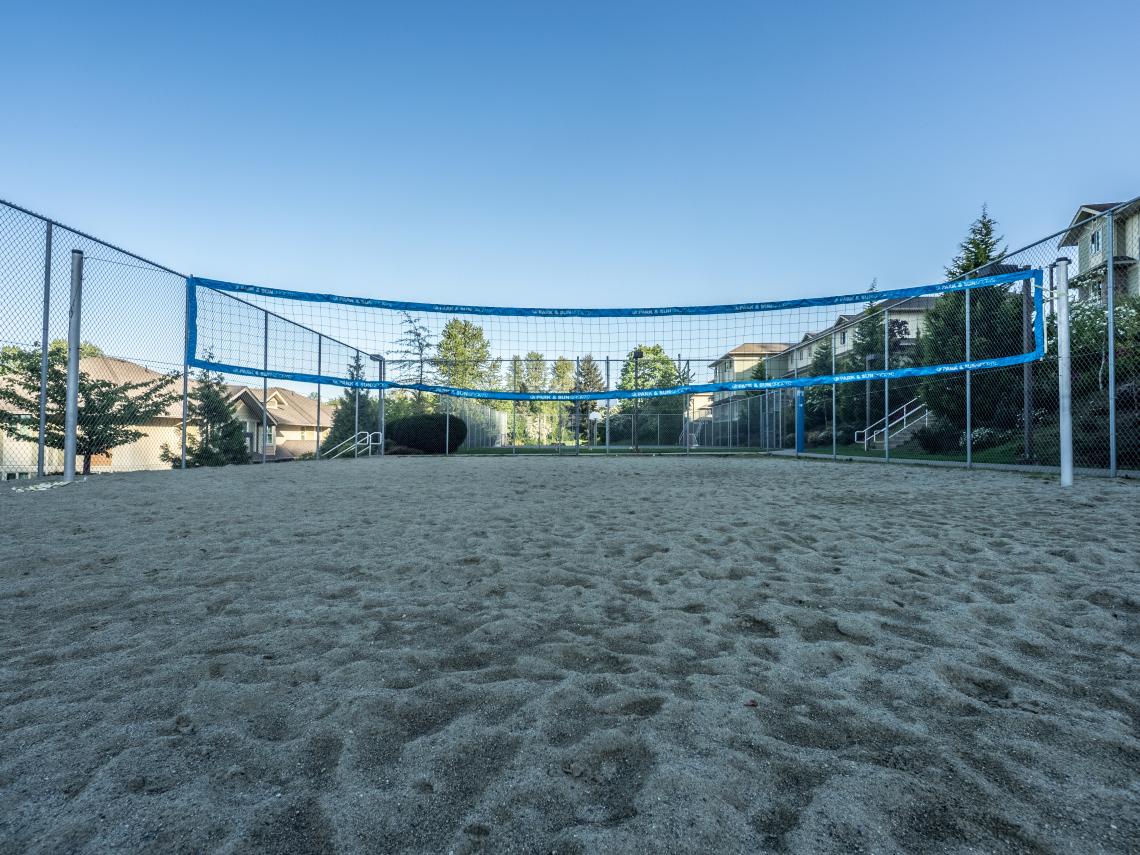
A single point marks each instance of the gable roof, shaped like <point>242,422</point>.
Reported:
<point>285,407</point>
<point>751,348</point>
<point>121,371</point>
<point>1080,218</point>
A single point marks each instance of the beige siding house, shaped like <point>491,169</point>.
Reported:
<point>292,419</point>
<point>1090,240</point>
<point>796,358</point>
<point>739,363</point>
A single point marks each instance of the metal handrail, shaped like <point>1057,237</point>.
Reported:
<point>870,435</point>
<point>354,443</point>
<point>875,428</point>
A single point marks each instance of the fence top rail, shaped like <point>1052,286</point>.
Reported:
<point>75,231</point>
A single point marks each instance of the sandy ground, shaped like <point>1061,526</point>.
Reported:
<point>570,655</point>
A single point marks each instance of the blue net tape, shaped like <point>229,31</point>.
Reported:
<point>1036,276</point>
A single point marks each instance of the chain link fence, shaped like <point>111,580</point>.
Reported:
<point>132,374</point>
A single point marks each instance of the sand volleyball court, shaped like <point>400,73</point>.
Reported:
<point>570,655</point>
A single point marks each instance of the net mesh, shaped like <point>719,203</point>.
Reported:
<point>517,354</point>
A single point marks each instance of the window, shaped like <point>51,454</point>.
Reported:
<point>1094,242</point>
<point>843,338</point>
<point>269,435</point>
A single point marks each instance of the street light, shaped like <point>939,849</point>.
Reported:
<point>637,357</point>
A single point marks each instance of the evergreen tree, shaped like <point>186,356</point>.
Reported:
<point>587,378</point>
<point>110,414</point>
<point>416,344</point>
<point>817,399</point>
<point>980,247</point>
<point>219,438</point>
<point>995,315</point>
<point>345,420</point>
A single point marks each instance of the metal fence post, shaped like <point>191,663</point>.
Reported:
<point>71,413</point>
<point>44,354</point>
<point>515,406</point>
<point>382,372</point>
<point>356,412</point>
<point>577,407</point>
<point>1027,372</point>
<point>1110,302</point>
<point>886,385</point>
<point>447,426</point>
<point>1064,374</point>
<point>185,373</point>
<point>317,452</point>
<point>834,420</point>
<point>748,421</point>
<point>265,389</point>
<point>685,424</point>
<point>969,391</point>
<point>607,406</point>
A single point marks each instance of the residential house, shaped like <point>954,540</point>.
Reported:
<point>292,419</point>
<point>1089,237</point>
<point>739,363</point>
<point>796,358</point>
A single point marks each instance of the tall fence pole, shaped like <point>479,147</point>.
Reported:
<point>1027,372</point>
<point>886,385</point>
<point>185,375</point>
<point>44,354</point>
<point>1064,373</point>
<point>834,420</point>
<point>317,451</point>
<point>577,406</point>
<point>382,372</point>
<point>607,406</point>
<point>1110,304</point>
<point>356,410</point>
<point>265,388</point>
<point>447,425</point>
<point>71,412</point>
<point>969,391</point>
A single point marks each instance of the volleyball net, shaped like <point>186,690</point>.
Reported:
<point>552,354</point>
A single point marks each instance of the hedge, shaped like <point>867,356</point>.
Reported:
<point>427,432</point>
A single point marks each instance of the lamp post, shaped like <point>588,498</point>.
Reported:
<point>637,356</point>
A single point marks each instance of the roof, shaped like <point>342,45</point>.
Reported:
<point>918,304</point>
<point>752,348</point>
<point>284,406</point>
<point>1084,214</point>
<point>121,371</point>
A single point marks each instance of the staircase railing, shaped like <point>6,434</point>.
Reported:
<point>359,444</point>
<point>912,411</point>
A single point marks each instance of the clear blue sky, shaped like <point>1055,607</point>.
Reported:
<point>631,153</point>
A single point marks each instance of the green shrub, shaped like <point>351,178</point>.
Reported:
<point>427,432</point>
<point>935,439</point>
